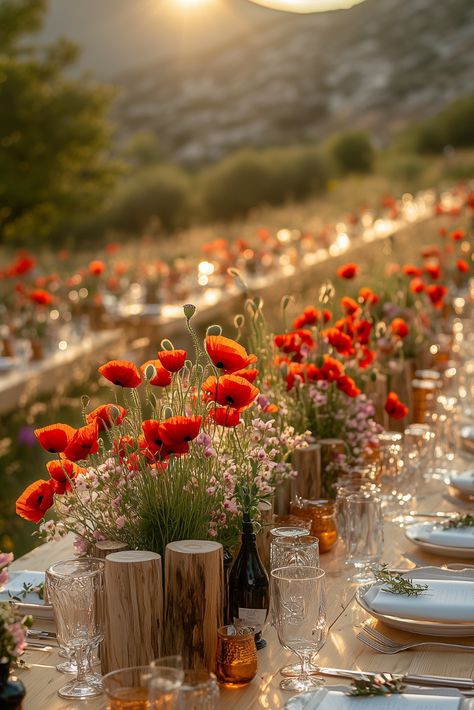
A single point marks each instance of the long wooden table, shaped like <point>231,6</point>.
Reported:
<point>342,649</point>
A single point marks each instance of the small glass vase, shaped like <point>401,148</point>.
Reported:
<point>12,690</point>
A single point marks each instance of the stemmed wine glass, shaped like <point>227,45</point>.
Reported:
<point>74,588</point>
<point>299,615</point>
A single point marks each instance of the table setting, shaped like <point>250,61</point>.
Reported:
<point>236,531</point>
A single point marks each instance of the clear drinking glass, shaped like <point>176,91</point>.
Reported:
<point>74,590</point>
<point>143,688</point>
<point>390,468</point>
<point>299,616</point>
<point>364,533</point>
<point>199,689</point>
<point>292,550</point>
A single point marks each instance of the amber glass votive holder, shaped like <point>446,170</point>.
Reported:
<point>322,514</point>
<point>236,655</point>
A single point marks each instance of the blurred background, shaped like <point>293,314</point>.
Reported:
<point>146,146</point>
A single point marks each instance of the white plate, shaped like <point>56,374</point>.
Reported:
<point>322,699</point>
<point>411,532</point>
<point>463,490</point>
<point>415,626</point>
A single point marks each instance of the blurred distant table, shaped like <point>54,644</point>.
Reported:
<point>22,384</point>
<point>341,650</point>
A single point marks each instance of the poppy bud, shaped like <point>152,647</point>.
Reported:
<point>239,321</point>
<point>85,400</point>
<point>167,344</point>
<point>189,310</point>
<point>150,371</point>
<point>285,302</point>
<point>167,413</point>
<point>214,330</point>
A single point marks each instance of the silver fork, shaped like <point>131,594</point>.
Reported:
<point>384,644</point>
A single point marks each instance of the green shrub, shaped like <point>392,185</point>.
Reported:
<point>353,152</point>
<point>454,126</point>
<point>162,192</point>
<point>250,178</point>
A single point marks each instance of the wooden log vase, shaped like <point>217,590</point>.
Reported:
<point>133,615</point>
<point>307,461</point>
<point>194,601</point>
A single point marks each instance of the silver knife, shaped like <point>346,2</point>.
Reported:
<point>430,680</point>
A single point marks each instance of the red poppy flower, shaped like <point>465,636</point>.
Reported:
<point>436,294</point>
<point>35,500</point>
<point>365,357</point>
<point>433,269</point>
<point>121,372</point>
<point>348,386</point>
<point>292,343</point>
<point>366,295</point>
<point>55,437</point>
<point>442,231</point>
<point>331,369</point>
<point>84,442</point>
<point>249,374</point>
<point>430,252</point>
<point>313,373</point>
<point>172,360</point>
<point>96,267</point>
<point>312,316</point>
<point>24,263</point>
<point>350,306</point>
<point>412,270</point>
<point>348,271</point>
<point>63,472</point>
<point>153,433</point>
<point>363,331</point>
<point>296,371</point>
<point>230,391</point>
<point>457,235</point>
<point>417,285</point>
<point>124,445</point>
<point>227,355</point>
<point>225,416</point>
<point>107,415</point>
<point>162,378</point>
<point>399,327</point>
<point>40,297</point>
<point>180,430</point>
<point>395,408</point>
<point>462,266</point>
<point>340,341</point>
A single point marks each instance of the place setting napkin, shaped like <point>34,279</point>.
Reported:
<point>451,537</point>
<point>463,481</point>
<point>447,600</point>
<point>332,699</point>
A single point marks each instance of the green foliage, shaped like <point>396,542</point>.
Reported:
<point>142,150</point>
<point>353,152</point>
<point>250,178</point>
<point>454,127</point>
<point>54,137</point>
<point>161,193</point>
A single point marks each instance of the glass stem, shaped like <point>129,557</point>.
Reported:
<point>305,663</point>
<point>82,662</point>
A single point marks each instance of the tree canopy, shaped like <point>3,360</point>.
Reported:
<point>54,134</point>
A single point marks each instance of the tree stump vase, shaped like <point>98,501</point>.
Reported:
<point>194,601</point>
<point>133,614</point>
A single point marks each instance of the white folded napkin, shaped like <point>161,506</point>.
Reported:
<point>452,537</point>
<point>337,700</point>
<point>444,600</point>
<point>15,587</point>
<point>464,481</point>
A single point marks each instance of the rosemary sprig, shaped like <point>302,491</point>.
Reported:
<point>395,583</point>
<point>28,587</point>
<point>460,521</point>
<point>382,684</point>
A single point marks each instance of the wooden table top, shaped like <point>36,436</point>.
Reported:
<point>342,649</point>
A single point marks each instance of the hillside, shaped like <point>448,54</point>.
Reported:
<point>294,78</point>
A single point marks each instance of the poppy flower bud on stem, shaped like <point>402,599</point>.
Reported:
<point>150,372</point>
<point>189,310</point>
<point>167,413</point>
<point>239,321</point>
<point>285,302</point>
<point>214,330</point>
<point>167,344</point>
<point>235,273</point>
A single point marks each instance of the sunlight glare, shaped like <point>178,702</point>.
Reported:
<point>189,4</point>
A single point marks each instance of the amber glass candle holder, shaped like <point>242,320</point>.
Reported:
<point>236,655</point>
<point>322,514</point>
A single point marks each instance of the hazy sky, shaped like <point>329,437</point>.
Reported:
<point>121,34</point>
